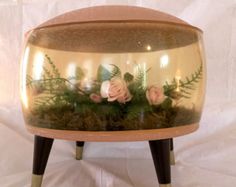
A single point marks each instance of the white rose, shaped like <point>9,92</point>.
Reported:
<point>115,89</point>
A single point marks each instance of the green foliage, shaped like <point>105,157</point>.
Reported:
<point>29,80</point>
<point>51,81</point>
<point>167,104</point>
<point>55,71</point>
<point>109,110</point>
<point>139,79</point>
<point>53,86</point>
<point>115,71</point>
<point>185,86</point>
<point>64,105</point>
<point>128,77</point>
<point>138,92</point>
<point>83,108</point>
<point>137,86</point>
<point>137,110</point>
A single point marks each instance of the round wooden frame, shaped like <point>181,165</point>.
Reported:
<point>114,136</point>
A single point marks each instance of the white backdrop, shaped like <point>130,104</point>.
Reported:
<point>206,158</point>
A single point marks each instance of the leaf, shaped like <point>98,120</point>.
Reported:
<point>115,71</point>
<point>138,92</point>
<point>186,97</point>
<point>103,74</point>
<point>185,92</point>
<point>140,76</point>
<point>187,79</point>
<point>190,87</point>
<point>185,86</point>
<point>167,103</point>
<point>128,77</point>
<point>29,81</point>
<point>47,73</point>
<point>181,82</point>
<point>54,68</point>
<point>139,79</point>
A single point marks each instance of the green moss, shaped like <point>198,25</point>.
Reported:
<point>92,120</point>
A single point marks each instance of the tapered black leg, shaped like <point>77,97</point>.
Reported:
<point>160,150</point>
<point>79,150</point>
<point>42,148</point>
<point>172,153</point>
<point>171,144</point>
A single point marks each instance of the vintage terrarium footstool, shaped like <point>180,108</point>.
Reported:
<point>112,73</point>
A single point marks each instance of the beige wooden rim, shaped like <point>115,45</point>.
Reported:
<point>114,136</point>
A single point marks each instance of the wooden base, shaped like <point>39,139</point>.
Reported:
<point>36,180</point>
<point>114,136</point>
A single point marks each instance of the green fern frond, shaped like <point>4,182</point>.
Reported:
<point>47,73</point>
<point>29,80</point>
<point>140,77</point>
<point>116,72</point>
<point>185,86</point>
<point>54,68</point>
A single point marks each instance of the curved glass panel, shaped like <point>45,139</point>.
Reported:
<point>107,77</point>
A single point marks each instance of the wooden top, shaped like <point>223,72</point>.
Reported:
<point>115,13</point>
<point>114,136</point>
<point>114,29</point>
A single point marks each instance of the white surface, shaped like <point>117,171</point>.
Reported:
<point>204,159</point>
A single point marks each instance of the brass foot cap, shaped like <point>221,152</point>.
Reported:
<point>165,185</point>
<point>79,153</point>
<point>172,158</point>
<point>36,180</point>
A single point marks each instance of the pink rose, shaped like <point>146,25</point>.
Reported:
<point>155,95</point>
<point>95,98</point>
<point>115,89</point>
